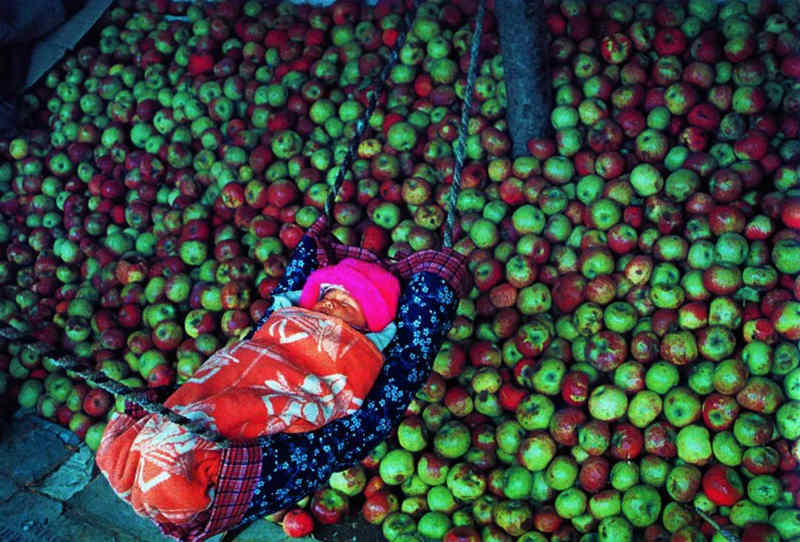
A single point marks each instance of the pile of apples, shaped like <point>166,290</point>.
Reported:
<point>629,352</point>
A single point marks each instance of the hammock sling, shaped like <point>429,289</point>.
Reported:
<point>80,369</point>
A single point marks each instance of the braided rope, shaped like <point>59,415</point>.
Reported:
<point>374,95</point>
<point>466,107</point>
<point>102,381</point>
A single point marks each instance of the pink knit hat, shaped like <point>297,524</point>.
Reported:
<point>376,290</point>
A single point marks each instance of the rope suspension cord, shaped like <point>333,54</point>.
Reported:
<point>98,378</point>
<point>101,380</point>
<point>74,365</point>
<point>466,107</point>
<point>374,95</point>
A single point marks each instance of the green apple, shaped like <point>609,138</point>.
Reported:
<point>727,449</point>
<point>614,529</point>
<point>350,482</point>
<point>788,420</point>
<point>536,451</point>
<point>746,511</point>
<point>452,440</point>
<point>644,407</point>
<point>535,411</point>
<point>411,434</point>
<point>401,136</point>
<point>624,475</point>
<point>440,499</point>
<point>517,482</point>
<point>94,435</point>
<point>787,522</point>
<point>561,473</point>
<point>605,504</point>
<point>433,525</point>
<point>681,407</point>
<point>694,444</point>
<point>654,470</point>
<point>396,466</point>
<point>661,377</point>
<point>607,403</point>
<point>465,482</point>
<point>641,505</point>
<point>571,503</point>
<point>646,180</point>
<point>764,490</point>
<point>29,393</point>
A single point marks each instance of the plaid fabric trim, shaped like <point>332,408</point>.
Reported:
<point>445,263</point>
<point>341,252</point>
<point>240,469</point>
<point>318,228</point>
<point>135,411</point>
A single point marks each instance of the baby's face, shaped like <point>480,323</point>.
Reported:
<point>339,303</point>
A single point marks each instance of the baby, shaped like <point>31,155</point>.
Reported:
<point>362,294</point>
<point>312,361</point>
<point>336,301</point>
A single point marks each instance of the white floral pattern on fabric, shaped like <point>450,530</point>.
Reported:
<point>326,333</point>
<point>168,450</point>
<point>221,359</point>
<point>170,447</point>
<point>311,401</point>
<point>310,357</point>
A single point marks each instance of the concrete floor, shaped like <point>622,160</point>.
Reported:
<point>51,491</point>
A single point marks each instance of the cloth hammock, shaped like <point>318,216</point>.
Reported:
<point>261,476</point>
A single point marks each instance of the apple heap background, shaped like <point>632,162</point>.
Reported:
<point>629,352</point>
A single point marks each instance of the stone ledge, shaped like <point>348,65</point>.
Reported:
<point>69,438</point>
<point>98,505</point>
<point>7,488</point>
<point>32,448</point>
<point>62,529</point>
<point>26,511</point>
<point>71,477</point>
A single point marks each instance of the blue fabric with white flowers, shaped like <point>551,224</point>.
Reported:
<point>294,465</point>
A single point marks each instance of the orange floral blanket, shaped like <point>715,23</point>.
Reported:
<point>299,371</point>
